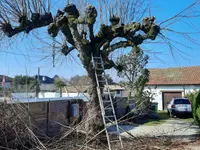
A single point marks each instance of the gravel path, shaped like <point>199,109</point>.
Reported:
<point>172,127</point>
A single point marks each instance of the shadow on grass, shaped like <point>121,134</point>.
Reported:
<point>162,116</point>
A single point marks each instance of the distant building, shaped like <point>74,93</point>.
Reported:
<point>5,87</point>
<point>8,82</point>
<point>168,83</point>
<point>44,79</point>
<point>46,83</point>
<point>116,90</point>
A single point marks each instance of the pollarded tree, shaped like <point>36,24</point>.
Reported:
<point>17,16</point>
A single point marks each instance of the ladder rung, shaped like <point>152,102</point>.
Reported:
<point>108,108</point>
<point>105,95</point>
<point>99,68</point>
<point>110,116</point>
<point>102,81</point>
<point>106,101</point>
<point>114,132</point>
<point>109,124</point>
<point>98,63</point>
<point>110,119</point>
<point>100,75</point>
<point>97,57</point>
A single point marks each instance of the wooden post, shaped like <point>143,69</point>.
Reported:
<point>47,123</point>
<point>69,111</point>
<point>80,110</point>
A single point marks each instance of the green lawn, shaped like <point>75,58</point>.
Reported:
<point>154,122</point>
<point>163,117</point>
<point>189,119</point>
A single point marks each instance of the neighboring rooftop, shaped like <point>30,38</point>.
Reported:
<point>175,76</point>
<point>27,100</point>
<point>75,89</point>
<point>44,79</point>
<point>7,79</point>
<point>83,89</point>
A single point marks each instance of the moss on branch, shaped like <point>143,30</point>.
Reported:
<point>66,50</point>
<point>26,25</point>
<point>71,11</point>
<point>53,29</point>
<point>153,32</point>
<point>114,20</point>
<point>91,14</point>
<point>121,44</point>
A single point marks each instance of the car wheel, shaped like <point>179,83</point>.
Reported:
<point>171,114</point>
<point>168,112</point>
<point>178,116</point>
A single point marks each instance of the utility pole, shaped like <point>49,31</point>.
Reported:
<point>38,83</point>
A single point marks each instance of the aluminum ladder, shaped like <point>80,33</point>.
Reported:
<point>106,103</point>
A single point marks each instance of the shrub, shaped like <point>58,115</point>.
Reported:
<point>14,131</point>
<point>198,113</point>
<point>191,95</point>
<point>196,108</point>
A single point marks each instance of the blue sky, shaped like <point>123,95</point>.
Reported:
<point>24,55</point>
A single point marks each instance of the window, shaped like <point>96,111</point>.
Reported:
<point>118,92</point>
<point>181,101</point>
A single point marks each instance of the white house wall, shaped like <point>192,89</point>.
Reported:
<point>7,85</point>
<point>158,90</point>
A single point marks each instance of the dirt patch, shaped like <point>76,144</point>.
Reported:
<point>162,143</point>
<point>140,143</point>
<point>189,145</point>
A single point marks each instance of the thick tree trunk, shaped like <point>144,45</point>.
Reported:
<point>95,122</point>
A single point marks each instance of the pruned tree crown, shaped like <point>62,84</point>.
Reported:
<point>67,22</point>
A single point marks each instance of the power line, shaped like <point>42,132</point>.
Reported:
<point>18,54</point>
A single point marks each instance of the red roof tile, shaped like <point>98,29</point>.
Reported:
<point>175,76</point>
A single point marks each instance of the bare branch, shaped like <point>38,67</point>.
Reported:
<point>180,14</point>
<point>38,21</point>
<point>66,50</point>
<point>121,44</point>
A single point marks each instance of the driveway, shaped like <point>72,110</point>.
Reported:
<point>171,127</point>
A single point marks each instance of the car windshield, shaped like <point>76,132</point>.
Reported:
<point>181,101</point>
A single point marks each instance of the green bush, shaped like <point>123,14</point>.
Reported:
<point>198,113</point>
<point>191,96</point>
<point>196,108</point>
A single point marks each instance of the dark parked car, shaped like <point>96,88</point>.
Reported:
<point>179,107</point>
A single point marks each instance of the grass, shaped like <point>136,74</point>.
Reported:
<point>154,122</point>
<point>163,117</point>
<point>189,119</point>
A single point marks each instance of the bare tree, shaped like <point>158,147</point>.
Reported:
<point>134,71</point>
<point>77,27</point>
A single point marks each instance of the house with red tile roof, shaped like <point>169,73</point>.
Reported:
<point>5,82</point>
<point>168,83</point>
